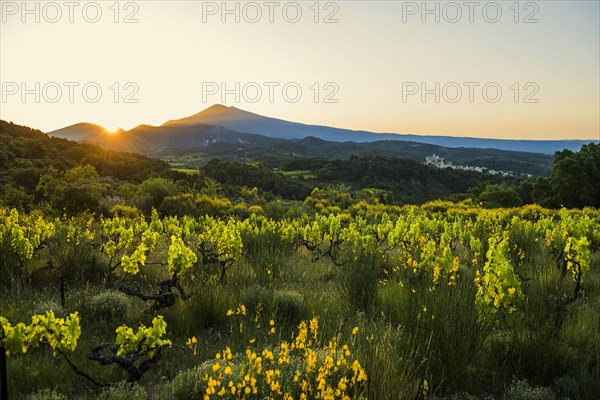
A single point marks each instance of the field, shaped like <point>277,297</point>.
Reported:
<point>443,300</point>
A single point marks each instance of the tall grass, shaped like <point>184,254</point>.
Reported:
<point>442,324</point>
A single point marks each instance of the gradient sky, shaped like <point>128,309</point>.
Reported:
<point>177,49</point>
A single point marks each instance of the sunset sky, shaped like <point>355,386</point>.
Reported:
<point>373,57</point>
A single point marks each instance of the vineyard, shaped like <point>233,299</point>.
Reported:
<point>444,300</point>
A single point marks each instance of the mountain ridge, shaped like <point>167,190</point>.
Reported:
<point>240,120</point>
<point>234,119</point>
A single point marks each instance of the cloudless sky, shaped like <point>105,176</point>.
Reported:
<point>373,62</point>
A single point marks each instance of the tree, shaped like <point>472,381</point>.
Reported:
<point>78,189</point>
<point>574,179</point>
<point>15,198</point>
<point>153,191</point>
<point>500,195</point>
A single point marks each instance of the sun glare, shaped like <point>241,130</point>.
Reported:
<point>112,130</point>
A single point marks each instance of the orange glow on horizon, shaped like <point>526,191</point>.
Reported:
<point>111,130</point>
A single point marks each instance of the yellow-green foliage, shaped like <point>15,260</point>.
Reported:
<point>498,286</point>
<point>23,233</point>
<point>61,334</point>
<point>146,341</point>
<point>180,256</point>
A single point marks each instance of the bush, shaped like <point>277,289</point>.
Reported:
<point>290,306</point>
<point>467,396</point>
<point>525,245</point>
<point>124,391</point>
<point>42,307</point>
<point>110,307</point>
<point>443,324</point>
<point>283,305</point>
<point>46,394</point>
<point>522,390</point>
<point>187,385</point>
<point>125,211</point>
<point>206,307</point>
<point>308,371</point>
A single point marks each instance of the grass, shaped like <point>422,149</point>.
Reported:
<point>299,173</point>
<point>187,171</point>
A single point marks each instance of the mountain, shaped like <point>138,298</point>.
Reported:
<point>147,139</point>
<point>243,121</point>
<point>81,132</point>
<point>234,134</point>
<point>155,139</point>
<point>200,129</point>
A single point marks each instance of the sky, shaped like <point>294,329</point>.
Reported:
<point>504,69</point>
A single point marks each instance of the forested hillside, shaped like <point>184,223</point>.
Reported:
<point>76,176</point>
<point>23,148</point>
<point>27,154</point>
<point>277,152</point>
<point>37,169</point>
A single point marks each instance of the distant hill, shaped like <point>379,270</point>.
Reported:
<point>243,121</point>
<point>278,152</point>
<point>208,141</point>
<point>235,134</point>
<point>154,139</point>
<point>147,139</point>
<point>83,132</point>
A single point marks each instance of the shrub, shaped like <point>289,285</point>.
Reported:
<point>42,307</point>
<point>467,396</point>
<point>283,305</point>
<point>296,369</point>
<point>394,366</point>
<point>109,306</point>
<point>522,390</point>
<point>525,245</point>
<point>206,307</point>
<point>290,306</point>
<point>46,394</point>
<point>124,391</point>
<point>187,385</point>
<point>125,211</point>
<point>443,323</point>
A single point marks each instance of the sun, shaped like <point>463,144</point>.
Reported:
<point>111,130</point>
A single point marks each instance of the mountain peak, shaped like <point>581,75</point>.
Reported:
<point>81,131</point>
<point>213,115</point>
<point>216,107</point>
<point>214,112</point>
<point>86,127</point>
